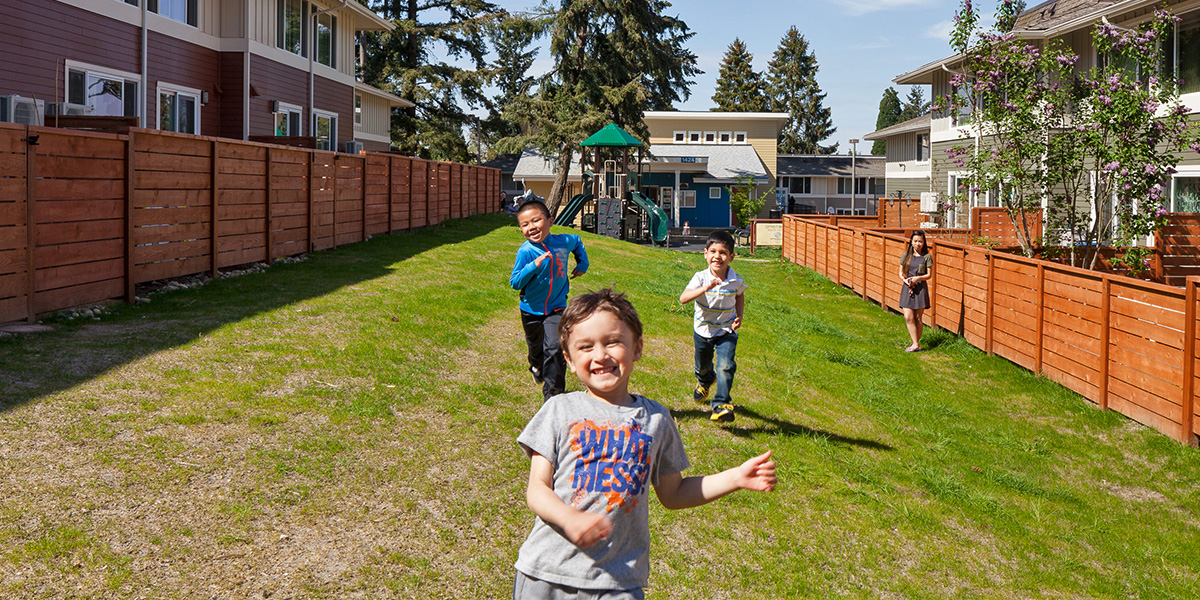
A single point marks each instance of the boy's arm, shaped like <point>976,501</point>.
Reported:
<point>739,307</point>
<point>525,269</point>
<point>692,293</point>
<point>676,491</point>
<point>581,259</point>
<point>582,528</point>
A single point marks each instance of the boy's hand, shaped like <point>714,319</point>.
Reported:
<point>758,473</point>
<point>539,260</point>
<point>576,273</point>
<point>737,322</point>
<point>714,283</point>
<point>586,528</point>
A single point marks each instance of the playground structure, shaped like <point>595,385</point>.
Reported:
<point>613,207</point>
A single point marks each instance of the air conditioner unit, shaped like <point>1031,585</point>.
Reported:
<point>929,202</point>
<point>352,147</point>
<point>19,109</point>
<point>67,108</point>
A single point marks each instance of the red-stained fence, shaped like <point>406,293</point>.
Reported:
<point>1125,344</point>
<point>85,217</point>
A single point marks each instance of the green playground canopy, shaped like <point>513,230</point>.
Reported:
<point>611,135</point>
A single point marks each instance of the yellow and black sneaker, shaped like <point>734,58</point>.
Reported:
<point>700,394</point>
<point>722,414</point>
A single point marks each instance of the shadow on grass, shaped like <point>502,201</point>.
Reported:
<point>770,426</point>
<point>33,366</point>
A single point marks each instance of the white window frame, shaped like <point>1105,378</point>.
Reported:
<point>928,148</point>
<point>687,198</point>
<point>714,193</point>
<point>285,108</point>
<point>739,137</point>
<point>694,137</point>
<point>358,108</point>
<point>333,37</point>
<point>710,137</point>
<point>93,70</point>
<point>191,9</point>
<point>725,137</point>
<point>333,117</point>
<point>680,137</point>
<point>280,30</point>
<point>1185,172</point>
<point>178,90</point>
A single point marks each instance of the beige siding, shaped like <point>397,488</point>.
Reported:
<point>376,115</point>
<point>263,29</point>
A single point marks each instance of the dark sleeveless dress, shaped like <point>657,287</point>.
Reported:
<point>918,297</point>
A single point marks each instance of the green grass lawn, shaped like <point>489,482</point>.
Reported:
<point>345,426</point>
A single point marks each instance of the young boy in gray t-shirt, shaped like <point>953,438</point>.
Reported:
<point>594,456</point>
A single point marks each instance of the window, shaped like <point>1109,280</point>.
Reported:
<point>693,137</point>
<point>292,26</point>
<point>680,137</point>
<point>1185,195</point>
<point>714,193</point>
<point>922,146</point>
<point>725,137</point>
<point>327,40</point>
<point>184,11</point>
<point>358,109</point>
<point>860,185</point>
<point>178,110</point>
<point>325,130</point>
<point>1182,54</point>
<point>109,93</point>
<point>963,93</point>
<point>710,137</point>
<point>800,185</point>
<point>287,120</point>
<point>687,199</point>
<point>739,137</point>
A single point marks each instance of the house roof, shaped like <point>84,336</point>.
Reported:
<point>613,136</point>
<point>724,162</point>
<point>828,165</point>
<point>506,163</point>
<point>706,115</point>
<point>535,167</point>
<point>392,99</point>
<point>921,123</point>
<point>369,19</point>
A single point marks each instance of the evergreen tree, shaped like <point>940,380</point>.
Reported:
<point>914,105</point>
<point>512,39</point>
<point>889,114</point>
<point>612,61</point>
<point>404,63</point>
<point>739,88</point>
<point>792,88</point>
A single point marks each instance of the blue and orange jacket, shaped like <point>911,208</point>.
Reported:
<point>544,288</point>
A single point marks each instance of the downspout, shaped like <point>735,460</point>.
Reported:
<point>312,49</point>
<point>246,80</point>
<point>145,66</point>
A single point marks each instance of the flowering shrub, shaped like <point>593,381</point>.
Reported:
<point>1040,125</point>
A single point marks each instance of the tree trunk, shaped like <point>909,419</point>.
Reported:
<point>560,179</point>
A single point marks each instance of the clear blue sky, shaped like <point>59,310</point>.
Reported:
<point>860,46</point>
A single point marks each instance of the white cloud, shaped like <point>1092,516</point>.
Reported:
<point>862,7</point>
<point>940,30</point>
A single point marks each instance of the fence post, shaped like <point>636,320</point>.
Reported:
<point>31,224</point>
<point>312,238</point>
<point>130,193</point>
<point>364,198</point>
<point>333,182</point>
<point>213,212</point>
<point>1189,362</point>
<point>391,207</point>
<point>270,200</point>
<point>1105,293</point>
<point>1041,317</point>
<point>862,263</point>
<point>991,301</point>
<point>933,251</point>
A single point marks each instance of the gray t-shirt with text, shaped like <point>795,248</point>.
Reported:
<point>605,459</point>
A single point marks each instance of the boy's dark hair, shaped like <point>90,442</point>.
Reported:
<point>586,305</point>
<point>529,205</point>
<point>719,236</point>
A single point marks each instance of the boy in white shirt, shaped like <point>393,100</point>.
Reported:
<point>720,299</point>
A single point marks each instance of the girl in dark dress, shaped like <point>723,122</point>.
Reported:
<point>916,267</point>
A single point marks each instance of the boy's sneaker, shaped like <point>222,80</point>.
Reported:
<point>700,394</point>
<point>537,374</point>
<point>722,414</point>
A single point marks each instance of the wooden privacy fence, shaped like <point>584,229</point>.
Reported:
<point>84,217</point>
<point>1177,249</point>
<point>1125,344</point>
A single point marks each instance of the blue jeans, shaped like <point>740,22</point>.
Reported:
<point>724,346</point>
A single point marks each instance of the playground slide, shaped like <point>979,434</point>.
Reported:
<point>566,216</point>
<point>658,218</point>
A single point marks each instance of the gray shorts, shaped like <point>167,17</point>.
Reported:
<point>527,588</point>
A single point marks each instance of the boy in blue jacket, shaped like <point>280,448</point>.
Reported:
<point>540,274</point>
